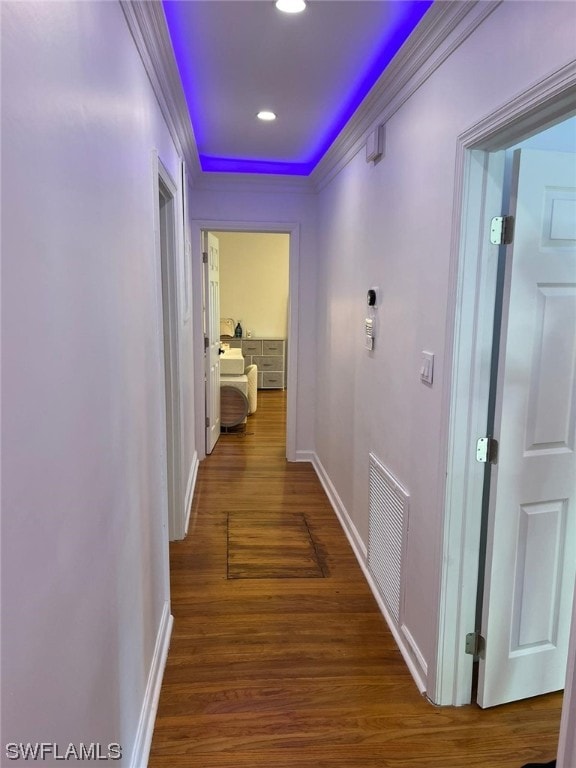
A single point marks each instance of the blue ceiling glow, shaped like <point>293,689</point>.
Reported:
<point>276,167</point>
<point>407,15</point>
<point>411,13</point>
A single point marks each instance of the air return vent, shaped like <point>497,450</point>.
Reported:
<point>387,521</point>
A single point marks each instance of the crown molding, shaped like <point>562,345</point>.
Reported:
<point>149,30</point>
<point>442,30</point>
<point>147,24</point>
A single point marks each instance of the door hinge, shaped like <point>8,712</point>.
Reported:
<point>475,645</point>
<point>487,450</point>
<point>206,343</point>
<point>204,258</point>
<point>502,230</point>
<point>207,421</point>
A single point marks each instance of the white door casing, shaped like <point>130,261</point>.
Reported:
<point>531,549</point>
<point>212,332</point>
<point>168,244</point>
<point>547,102</point>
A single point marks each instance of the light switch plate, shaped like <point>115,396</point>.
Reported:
<point>427,368</point>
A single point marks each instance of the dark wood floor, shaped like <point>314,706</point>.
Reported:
<point>279,655</point>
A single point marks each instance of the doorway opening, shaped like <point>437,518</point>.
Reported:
<point>253,300</point>
<point>481,162</point>
<point>257,290</point>
<point>528,530</point>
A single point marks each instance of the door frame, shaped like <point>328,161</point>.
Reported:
<point>292,229</point>
<point>168,316</point>
<point>478,188</point>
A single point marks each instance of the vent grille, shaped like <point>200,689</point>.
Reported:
<point>387,520</point>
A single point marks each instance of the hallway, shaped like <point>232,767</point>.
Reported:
<point>280,657</point>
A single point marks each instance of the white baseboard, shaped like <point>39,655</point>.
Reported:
<point>191,485</point>
<point>350,529</point>
<point>304,456</point>
<point>418,675</point>
<point>416,651</point>
<point>143,739</point>
<point>361,552</point>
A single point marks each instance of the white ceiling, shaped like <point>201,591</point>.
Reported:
<point>239,56</point>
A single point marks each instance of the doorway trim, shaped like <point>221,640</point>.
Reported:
<point>478,184</point>
<point>292,229</point>
<point>167,257</point>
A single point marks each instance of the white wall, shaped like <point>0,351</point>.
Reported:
<point>84,519</point>
<point>389,225</point>
<point>254,281</point>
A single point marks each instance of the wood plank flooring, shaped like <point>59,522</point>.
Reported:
<point>272,667</point>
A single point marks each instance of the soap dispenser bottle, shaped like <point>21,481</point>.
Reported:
<point>238,331</point>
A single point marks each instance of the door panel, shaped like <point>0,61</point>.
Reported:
<point>551,407</point>
<point>539,565</point>
<point>531,549</point>
<point>212,331</point>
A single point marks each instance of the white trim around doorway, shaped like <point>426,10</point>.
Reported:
<point>292,229</point>
<point>479,173</point>
<point>168,255</point>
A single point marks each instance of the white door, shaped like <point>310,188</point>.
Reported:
<point>212,336</point>
<point>531,547</point>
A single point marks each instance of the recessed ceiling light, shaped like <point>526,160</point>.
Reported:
<point>291,6</point>
<point>265,114</point>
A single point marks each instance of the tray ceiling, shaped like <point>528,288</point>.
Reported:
<point>237,57</point>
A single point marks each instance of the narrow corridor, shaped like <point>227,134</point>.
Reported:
<point>280,657</point>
